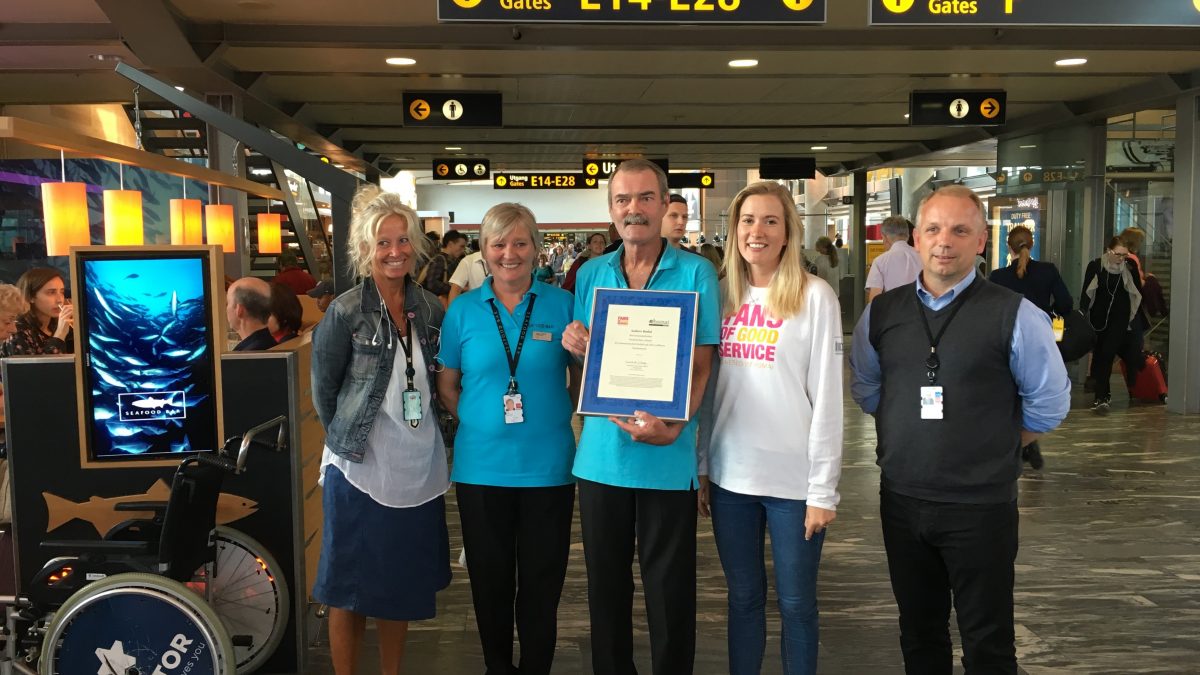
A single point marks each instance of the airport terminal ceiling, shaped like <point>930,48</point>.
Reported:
<point>315,71</point>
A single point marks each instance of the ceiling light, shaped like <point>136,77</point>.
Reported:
<point>819,147</point>
<point>400,61</point>
<point>1027,147</point>
<point>1070,62</point>
<point>453,147</point>
<point>743,63</point>
<point>340,166</point>
<point>105,57</point>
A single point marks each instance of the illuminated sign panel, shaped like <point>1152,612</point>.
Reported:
<point>634,11</point>
<point>543,181</point>
<point>1037,12</point>
<point>969,108</point>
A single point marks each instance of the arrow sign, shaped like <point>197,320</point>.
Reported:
<point>419,110</point>
<point>990,108</point>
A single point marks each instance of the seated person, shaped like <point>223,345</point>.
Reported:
<point>286,313</point>
<point>45,325</point>
<point>292,275</point>
<point>248,307</point>
<point>323,294</point>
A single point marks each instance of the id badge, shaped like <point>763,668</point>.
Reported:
<point>412,405</point>
<point>514,410</point>
<point>931,403</point>
<point>1059,325</point>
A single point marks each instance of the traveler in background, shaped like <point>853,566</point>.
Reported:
<point>514,448</point>
<point>45,325</point>
<point>775,456</point>
<point>960,374</point>
<point>674,224</point>
<point>248,308</point>
<point>12,306</point>
<point>292,275</point>
<point>1039,282</point>
<point>435,276</point>
<point>469,274</point>
<point>287,315</point>
<point>899,263</point>
<point>614,238</point>
<point>637,476</point>
<point>715,256</point>
<point>595,249</point>
<point>1112,301</point>
<point>323,294</point>
<point>385,549</point>
<point>826,261</point>
<point>544,272</point>
<point>1133,238</point>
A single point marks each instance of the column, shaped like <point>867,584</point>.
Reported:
<point>1184,375</point>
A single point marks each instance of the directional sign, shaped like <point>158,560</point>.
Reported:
<point>461,168</point>
<point>635,11</point>
<point>956,108</point>
<point>783,168</point>
<point>1165,13</point>
<point>543,181</point>
<point>703,180</point>
<point>604,167</point>
<point>453,109</point>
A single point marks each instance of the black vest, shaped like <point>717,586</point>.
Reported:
<point>973,455</point>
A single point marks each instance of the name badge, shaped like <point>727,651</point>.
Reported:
<point>542,336</point>
<point>931,403</point>
<point>1059,324</point>
<point>514,410</point>
<point>412,405</point>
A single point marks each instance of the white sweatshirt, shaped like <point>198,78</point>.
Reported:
<point>778,410</point>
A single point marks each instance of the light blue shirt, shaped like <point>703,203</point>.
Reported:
<point>608,455</point>
<point>539,451</point>
<point>1034,360</point>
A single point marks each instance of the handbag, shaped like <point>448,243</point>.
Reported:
<point>1079,337</point>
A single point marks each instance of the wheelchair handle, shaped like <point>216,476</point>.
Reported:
<point>248,439</point>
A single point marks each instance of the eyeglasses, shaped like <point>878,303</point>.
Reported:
<point>1118,255</point>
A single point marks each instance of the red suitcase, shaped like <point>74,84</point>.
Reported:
<point>1151,384</point>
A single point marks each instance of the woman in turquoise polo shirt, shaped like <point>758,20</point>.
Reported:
<point>505,376</point>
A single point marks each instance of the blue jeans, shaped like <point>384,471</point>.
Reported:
<point>740,523</point>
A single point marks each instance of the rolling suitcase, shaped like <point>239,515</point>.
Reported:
<point>1151,383</point>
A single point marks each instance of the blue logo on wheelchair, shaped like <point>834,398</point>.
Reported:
<point>159,405</point>
<point>134,633</point>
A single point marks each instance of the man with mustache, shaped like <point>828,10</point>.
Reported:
<point>638,480</point>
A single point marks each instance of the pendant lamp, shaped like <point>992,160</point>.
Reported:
<point>65,208</point>
<point>218,223</point>
<point>270,235</point>
<point>187,225</point>
<point>123,216</point>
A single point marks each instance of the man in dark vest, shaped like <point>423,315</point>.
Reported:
<point>960,374</point>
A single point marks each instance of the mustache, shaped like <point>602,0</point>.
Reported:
<point>636,219</point>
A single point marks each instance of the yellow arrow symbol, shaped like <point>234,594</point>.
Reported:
<point>442,169</point>
<point>898,6</point>
<point>501,181</point>
<point>593,168</point>
<point>467,4</point>
<point>797,5</point>
<point>991,107</point>
<point>419,109</point>
<point>706,180</point>
<point>591,182</point>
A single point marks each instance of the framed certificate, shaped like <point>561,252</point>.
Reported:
<point>640,353</point>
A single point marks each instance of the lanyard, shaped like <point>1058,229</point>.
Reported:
<point>513,359</point>
<point>654,269</point>
<point>409,371</point>
<point>933,362</point>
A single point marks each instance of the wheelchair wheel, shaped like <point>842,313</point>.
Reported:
<point>133,624</point>
<point>248,593</point>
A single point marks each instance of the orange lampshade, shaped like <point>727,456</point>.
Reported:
<point>218,224</point>
<point>123,218</point>
<point>187,226</point>
<point>270,236</point>
<point>66,211</point>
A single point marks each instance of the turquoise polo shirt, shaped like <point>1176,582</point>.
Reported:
<point>608,455</point>
<point>537,452</point>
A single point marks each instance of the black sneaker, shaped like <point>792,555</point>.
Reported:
<point>1032,454</point>
<point>1101,406</point>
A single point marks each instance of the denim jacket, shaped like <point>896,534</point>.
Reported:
<point>352,360</point>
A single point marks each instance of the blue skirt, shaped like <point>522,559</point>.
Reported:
<point>380,561</point>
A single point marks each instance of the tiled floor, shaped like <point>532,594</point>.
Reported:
<point>1108,576</point>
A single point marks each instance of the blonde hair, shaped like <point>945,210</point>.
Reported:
<point>960,191</point>
<point>503,218</point>
<point>785,296</point>
<point>1133,238</point>
<point>12,300</point>
<point>1020,240</point>
<point>370,208</point>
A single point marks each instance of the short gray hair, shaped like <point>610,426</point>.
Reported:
<point>504,218</point>
<point>895,227</point>
<point>370,208</point>
<point>960,191</point>
<point>636,165</point>
<point>12,300</point>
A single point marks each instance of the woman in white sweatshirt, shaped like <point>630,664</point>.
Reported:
<point>775,454</point>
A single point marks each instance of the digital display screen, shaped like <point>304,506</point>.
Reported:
<point>148,355</point>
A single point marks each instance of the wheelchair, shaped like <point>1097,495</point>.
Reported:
<point>169,595</point>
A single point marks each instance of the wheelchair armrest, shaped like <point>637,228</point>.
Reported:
<point>140,506</point>
<point>81,547</point>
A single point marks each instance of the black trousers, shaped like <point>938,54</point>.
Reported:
<point>517,541</point>
<point>938,551</point>
<point>1113,343</point>
<point>663,524</point>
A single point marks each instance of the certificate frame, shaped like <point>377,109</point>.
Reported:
<point>602,348</point>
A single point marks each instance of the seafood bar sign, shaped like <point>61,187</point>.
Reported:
<point>147,356</point>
